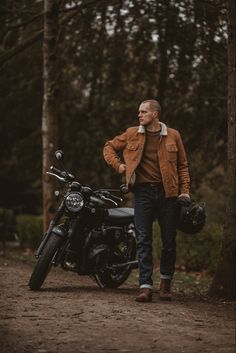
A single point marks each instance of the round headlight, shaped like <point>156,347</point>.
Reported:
<point>74,202</point>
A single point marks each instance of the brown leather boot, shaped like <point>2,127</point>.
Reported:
<point>165,289</point>
<point>145,295</point>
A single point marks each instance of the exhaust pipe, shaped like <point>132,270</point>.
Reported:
<point>131,264</point>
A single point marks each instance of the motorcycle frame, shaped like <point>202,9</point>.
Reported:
<point>54,227</point>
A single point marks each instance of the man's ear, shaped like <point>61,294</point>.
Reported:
<point>155,114</point>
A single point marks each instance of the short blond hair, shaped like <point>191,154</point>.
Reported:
<point>154,105</point>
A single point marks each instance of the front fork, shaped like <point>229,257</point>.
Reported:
<point>52,224</point>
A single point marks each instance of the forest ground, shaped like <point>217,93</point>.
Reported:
<point>70,314</point>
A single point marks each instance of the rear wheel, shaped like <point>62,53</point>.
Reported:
<point>125,251</point>
<point>44,263</point>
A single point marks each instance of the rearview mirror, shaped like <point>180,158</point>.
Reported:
<point>59,154</point>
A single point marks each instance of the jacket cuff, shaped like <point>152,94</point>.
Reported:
<point>116,165</point>
<point>184,190</point>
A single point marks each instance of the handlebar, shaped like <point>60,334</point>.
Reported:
<point>57,171</point>
<point>107,196</point>
<point>109,199</point>
<point>61,175</point>
<point>98,195</point>
<point>57,176</point>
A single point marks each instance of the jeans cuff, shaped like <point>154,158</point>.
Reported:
<point>149,286</point>
<point>165,277</point>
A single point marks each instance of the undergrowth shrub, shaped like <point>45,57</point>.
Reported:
<point>197,252</point>
<point>7,224</point>
<point>30,230</point>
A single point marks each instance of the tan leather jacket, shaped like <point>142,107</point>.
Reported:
<point>171,154</point>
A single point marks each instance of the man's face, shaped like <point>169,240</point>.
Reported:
<point>146,116</point>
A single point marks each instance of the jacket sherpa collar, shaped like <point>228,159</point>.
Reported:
<point>163,132</point>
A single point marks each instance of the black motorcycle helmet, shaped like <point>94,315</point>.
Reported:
<point>192,216</point>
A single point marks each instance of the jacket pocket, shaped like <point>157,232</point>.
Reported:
<point>171,152</point>
<point>132,146</point>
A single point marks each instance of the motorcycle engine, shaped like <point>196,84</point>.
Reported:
<point>102,240</point>
<point>98,256</point>
<point>98,252</point>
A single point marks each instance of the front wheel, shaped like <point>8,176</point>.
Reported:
<point>123,252</point>
<point>44,263</point>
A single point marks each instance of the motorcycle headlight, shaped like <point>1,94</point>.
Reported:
<point>74,202</point>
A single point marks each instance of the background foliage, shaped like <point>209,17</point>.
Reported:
<point>114,54</point>
<point>197,253</point>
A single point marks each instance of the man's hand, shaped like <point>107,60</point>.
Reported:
<point>122,168</point>
<point>183,196</point>
<point>184,199</point>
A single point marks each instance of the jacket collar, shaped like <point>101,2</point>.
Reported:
<point>163,132</point>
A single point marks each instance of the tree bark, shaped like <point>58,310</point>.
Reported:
<point>224,281</point>
<point>163,31</point>
<point>50,104</point>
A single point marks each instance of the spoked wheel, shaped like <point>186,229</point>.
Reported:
<point>44,263</point>
<point>112,278</point>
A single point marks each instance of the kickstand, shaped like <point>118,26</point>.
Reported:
<point>97,280</point>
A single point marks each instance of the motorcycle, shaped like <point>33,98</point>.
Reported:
<point>87,236</point>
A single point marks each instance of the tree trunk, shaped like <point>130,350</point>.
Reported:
<point>50,104</point>
<point>163,24</point>
<point>224,281</point>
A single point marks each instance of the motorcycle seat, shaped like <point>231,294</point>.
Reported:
<point>120,215</point>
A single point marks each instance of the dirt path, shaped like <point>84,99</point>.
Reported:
<point>71,314</point>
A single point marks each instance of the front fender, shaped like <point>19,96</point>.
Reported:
<point>59,230</point>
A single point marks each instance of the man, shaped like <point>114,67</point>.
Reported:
<point>156,169</point>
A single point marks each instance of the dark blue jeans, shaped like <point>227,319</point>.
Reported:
<point>150,203</point>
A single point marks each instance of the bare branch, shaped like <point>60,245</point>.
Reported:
<point>24,24</point>
<point>28,42</point>
<point>38,35</point>
<point>20,10</point>
<point>12,52</point>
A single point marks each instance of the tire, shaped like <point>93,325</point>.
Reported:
<point>109,279</point>
<point>44,263</point>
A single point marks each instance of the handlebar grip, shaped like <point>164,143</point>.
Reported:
<point>57,171</point>
<point>67,176</point>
